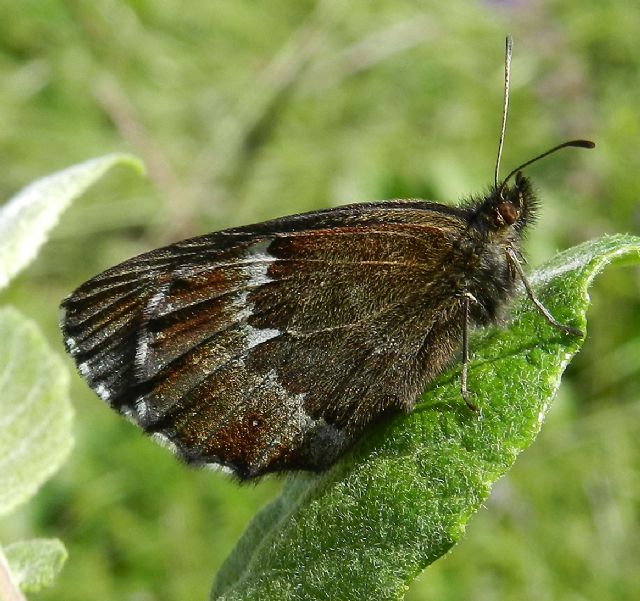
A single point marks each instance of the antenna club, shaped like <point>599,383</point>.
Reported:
<point>583,144</point>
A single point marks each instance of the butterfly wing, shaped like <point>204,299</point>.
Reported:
<point>270,347</point>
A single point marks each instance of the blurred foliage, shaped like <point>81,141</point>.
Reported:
<point>244,111</point>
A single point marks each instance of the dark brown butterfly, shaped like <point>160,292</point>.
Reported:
<point>271,347</point>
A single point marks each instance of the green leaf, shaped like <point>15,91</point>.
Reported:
<point>35,563</point>
<point>402,498</point>
<point>26,219</point>
<point>35,412</point>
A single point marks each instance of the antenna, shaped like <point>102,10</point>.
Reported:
<point>508,51</point>
<point>570,143</point>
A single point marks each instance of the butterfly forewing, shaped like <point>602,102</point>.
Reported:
<point>270,347</point>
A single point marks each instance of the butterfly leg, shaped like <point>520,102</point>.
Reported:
<point>467,300</point>
<point>534,299</point>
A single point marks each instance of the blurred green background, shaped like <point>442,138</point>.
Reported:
<point>248,110</point>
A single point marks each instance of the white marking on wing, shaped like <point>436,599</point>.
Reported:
<point>72,346</point>
<point>84,369</point>
<point>245,308</point>
<point>156,301</point>
<point>152,308</point>
<point>164,441</point>
<point>142,409</point>
<point>256,336</point>
<point>255,272</point>
<point>142,351</point>
<point>103,392</point>
<point>296,420</point>
<point>217,467</point>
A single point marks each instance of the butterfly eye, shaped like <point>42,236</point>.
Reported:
<point>507,213</point>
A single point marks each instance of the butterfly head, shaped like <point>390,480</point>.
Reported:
<point>513,206</point>
<point>507,209</point>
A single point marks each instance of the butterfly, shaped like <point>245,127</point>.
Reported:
<point>271,347</point>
